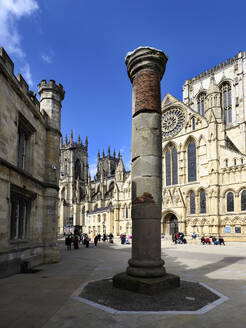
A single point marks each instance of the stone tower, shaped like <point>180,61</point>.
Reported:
<point>73,178</point>
<point>106,164</point>
<point>51,96</point>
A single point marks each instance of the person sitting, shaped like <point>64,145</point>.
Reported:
<point>203,240</point>
<point>207,241</point>
<point>215,241</point>
<point>221,241</point>
<point>193,235</point>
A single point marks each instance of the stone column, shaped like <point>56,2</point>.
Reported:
<point>145,68</point>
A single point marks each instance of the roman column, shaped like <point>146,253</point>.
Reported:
<point>146,67</point>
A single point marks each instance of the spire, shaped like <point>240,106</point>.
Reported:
<point>79,140</point>
<point>98,153</point>
<point>66,141</point>
<point>119,155</point>
<point>86,142</point>
<point>114,153</point>
<point>103,155</point>
<point>213,88</point>
<point>108,151</point>
<point>71,136</point>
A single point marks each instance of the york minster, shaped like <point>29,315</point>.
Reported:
<point>204,165</point>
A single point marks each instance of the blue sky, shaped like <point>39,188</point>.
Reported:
<point>82,44</point>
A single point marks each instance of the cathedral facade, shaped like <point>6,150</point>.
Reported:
<point>204,165</point>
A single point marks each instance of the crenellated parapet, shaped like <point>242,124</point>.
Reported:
<point>18,82</point>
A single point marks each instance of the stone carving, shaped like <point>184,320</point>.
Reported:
<point>172,122</point>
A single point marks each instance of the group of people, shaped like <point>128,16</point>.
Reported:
<point>178,238</point>
<point>212,239</point>
<point>76,238</point>
<point>124,239</point>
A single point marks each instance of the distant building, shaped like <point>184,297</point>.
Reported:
<point>101,205</point>
<point>204,165</point>
<point>29,170</point>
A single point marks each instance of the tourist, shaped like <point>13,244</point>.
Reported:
<point>194,235</point>
<point>76,242</point>
<point>68,242</point>
<point>99,237</point>
<point>87,241</point>
<point>221,241</point>
<point>111,236</point>
<point>95,241</point>
<point>203,240</point>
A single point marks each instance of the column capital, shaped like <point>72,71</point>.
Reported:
<point>145,58</point>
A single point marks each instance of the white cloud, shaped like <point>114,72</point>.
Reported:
<point>10,12</point>
<point>47,59</point>
<point>26,72</point>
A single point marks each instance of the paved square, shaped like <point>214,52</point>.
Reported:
<point>44,299</point>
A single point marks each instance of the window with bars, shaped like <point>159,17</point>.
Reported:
<point>201,103</point>
<point>230,202</point>
<point>202,201</point>
<point>126,210</point>
<point>243,200</point>
<point>226,102</point>
<point>192,203</point>
<point>171,158</point>
<point>191,161</point>
<point>18,220</point>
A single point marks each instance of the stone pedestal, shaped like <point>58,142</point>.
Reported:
<point>146,270</point>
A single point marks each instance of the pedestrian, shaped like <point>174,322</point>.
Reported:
<point>76,242</point>
<point>95,241</point>
<point>68,243</point>
<point>99,237</point>
<point>87,241</point>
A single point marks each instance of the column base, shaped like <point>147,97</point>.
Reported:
<point>148,286</point>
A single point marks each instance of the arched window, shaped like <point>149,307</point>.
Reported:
<point>226,101</point>
<point>230,202</point>
<point>243,200</point>
<point>192,161</point>
<point>192,203</point>
<point>201,103</point>
<point>202,201</point>
<point>171,165</point>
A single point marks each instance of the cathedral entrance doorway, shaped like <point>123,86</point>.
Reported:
<point>170,224</point>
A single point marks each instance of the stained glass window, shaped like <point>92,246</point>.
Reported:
<point>202,201</point>
<point>226,102</point>
<point>201,103</point>
<point>192,203</point>
<point>191,162</point>
<point>174,166</point>
<point>171,166</point>
<point>243,200</point>
<point>168,167</point>
<point>230,202</point>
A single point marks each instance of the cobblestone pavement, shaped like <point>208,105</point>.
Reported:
<point>44,299</point>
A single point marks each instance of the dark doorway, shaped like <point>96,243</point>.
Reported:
<point>173,224</point>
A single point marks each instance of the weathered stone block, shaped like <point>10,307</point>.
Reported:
<point>148,286</point>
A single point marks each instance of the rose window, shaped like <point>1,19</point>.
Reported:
<point>172,122</point>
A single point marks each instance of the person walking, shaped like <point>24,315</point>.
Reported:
<point>68,242</point>
<point>95,241</point>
